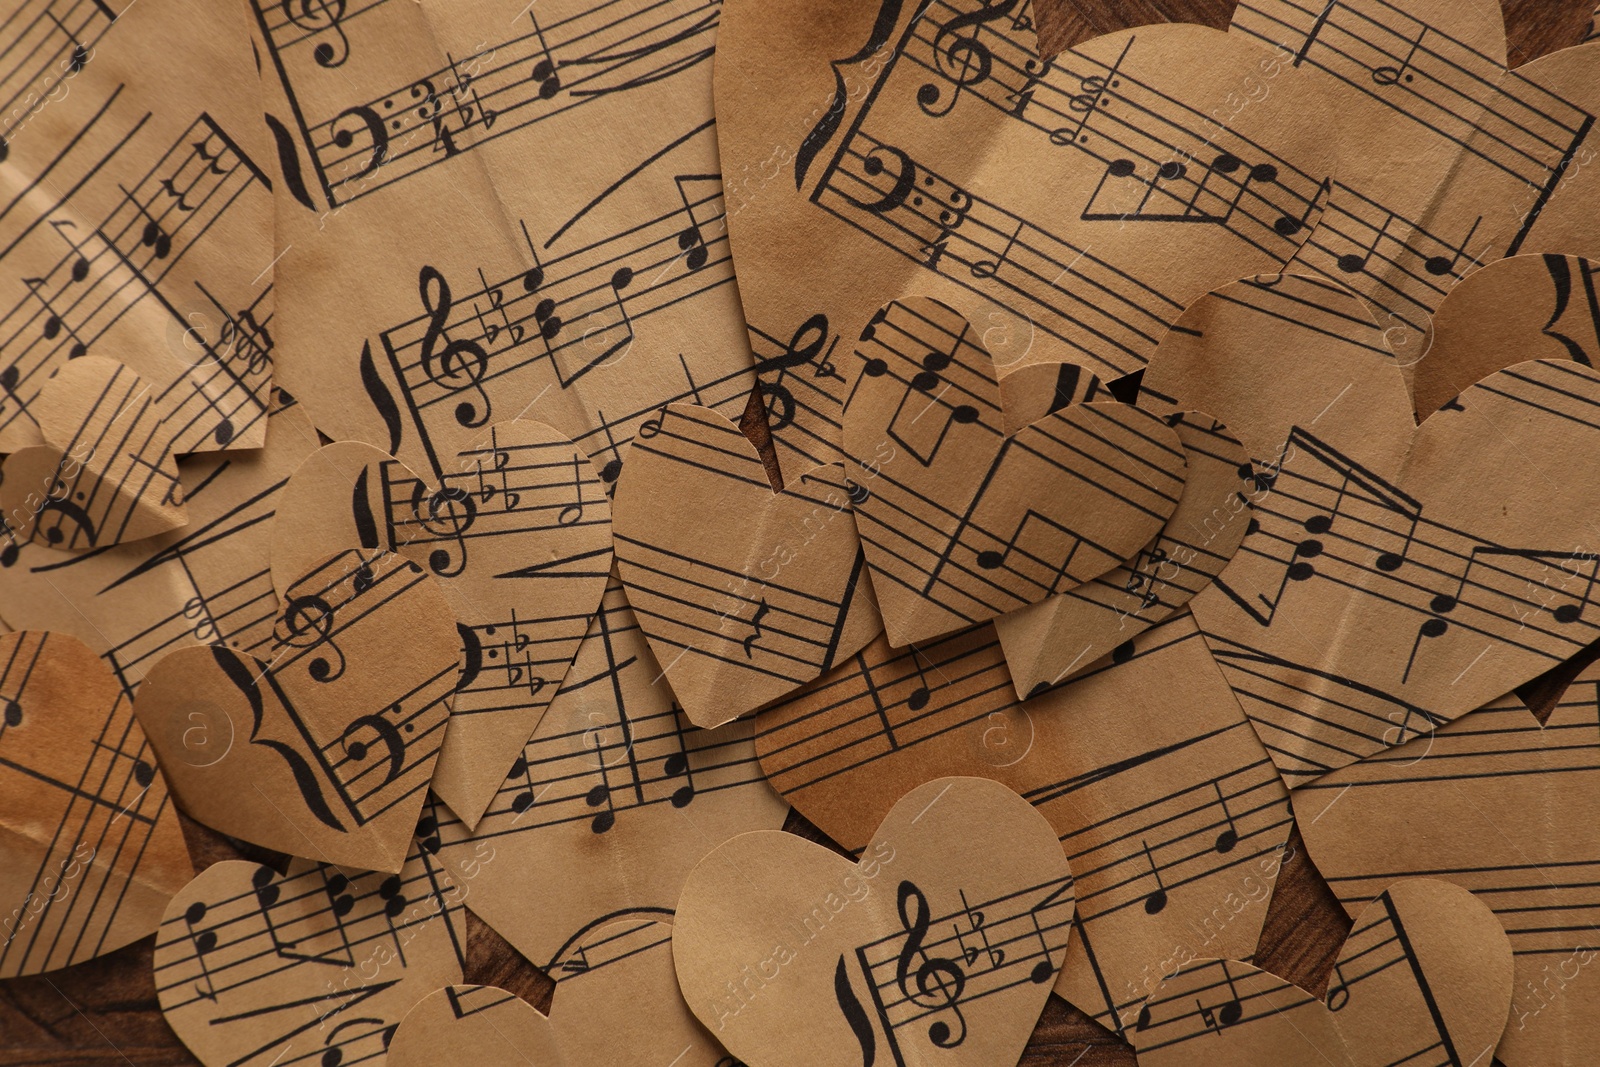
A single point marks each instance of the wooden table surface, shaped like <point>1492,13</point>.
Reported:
<point>105,1011</point>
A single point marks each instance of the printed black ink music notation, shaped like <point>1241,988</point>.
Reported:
<point>548,68</point>
<point>1214,996</point>
<point>921,981</point>
<point>800,388</point>
<point>107,820</point>
<point>630,749</point>
<point>1118,466</point>
<point>592,954</point>
<point>1496,744</point>
<point>100,272</point>
<point>557,321</point>
<point>47,43</point>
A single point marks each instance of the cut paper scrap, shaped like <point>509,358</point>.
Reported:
<point>626,963</point>
<point>139,220</point>
<point>204,583</point>
<point>1512,818</point>
<point>587,299</point>
<point>315,964</point>
<point>106,472</point>
<point>326,748</point>
<point>959,521</point>
<point>1359,592</point>
<point>1525,307</point>
<point>1424,977</point>
<point>1175,823</point>
<point>744,594</point>
<point>517,537</point>
<point>1446,161</point>
<point>902,155</point>
<point>611,802</point>
<point>1047,642</point>
<point>90,846</point>
<point>939,946</point>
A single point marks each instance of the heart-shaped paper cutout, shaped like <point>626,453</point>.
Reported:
<point>902,149</point>
<point>106,473</point>
<point>959,521</point>
<point>326,749</point>
<point>1047,642</point>
<point>745,594</point>
<point>940,946</point>
<point>1512,815</point>
<point>1522,308</point>
<point>1396,575</point>
<point>254,967</point>
<point>518,537</point>
<point>612,801</point>
<point>90,846</point>
<point>621,963</point>
<point>1424,977</point>
<point>1175,821</point>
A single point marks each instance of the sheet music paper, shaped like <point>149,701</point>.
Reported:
<point>498,257</point>
<point>939,946</point>
<point>518,539</point>
<point>1423,977</point>
<point>204,583</point>
<point>1511,807</point>
<point>1174,822</point>
<point>961,523</point>
<point>138,229</point>
<point>1524,307</point>
<point>612,801</point>
<point>90,846</point>
<point>901,157</point>
<point>744,594</point>
<point>1047,642</point>
<point>314,964</point>
<point>621,963</point>
<point>1395,576</point>
<point>325,748</point>
<point>1447,161</point>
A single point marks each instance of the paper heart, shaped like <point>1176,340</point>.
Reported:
<point>1048,642</point>
<point>622,963</point>
<point>317,964</point>
<point>938,947</point>
<point>1512,815</point>
<point>517,534</point>
<point>326,749</point>
<point>611,802</point>
<point>90,847</point>
<point>1424,977</point>
<point>1396,576</point>
<point>745,594</point>
<point>1522,308</point>
<point>900,153</point>
<point>106,472</point>
<point>959,521</point>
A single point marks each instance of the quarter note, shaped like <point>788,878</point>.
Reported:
<point>601,793</point>
<point>545,70</point>
<point>691,240</point>
<point>204,942</point>
<point>1228,838</point>
<point>1157,900</point>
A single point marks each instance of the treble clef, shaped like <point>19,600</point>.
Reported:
<point>802,350</point>
<point>930,982</point>
<point>966,60</point>
<point>459,364</point>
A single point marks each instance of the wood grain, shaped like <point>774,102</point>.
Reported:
<point>105,1012</point>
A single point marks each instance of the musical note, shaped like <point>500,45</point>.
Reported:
<point>1156,900</point>
<point>600,793</point>
<point>1227,839</point>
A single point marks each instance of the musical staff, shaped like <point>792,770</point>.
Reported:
<point>950,533</point>
<point>548,69</point>
<point>94,849</point>
<point>614,768</point>
<point>1186,803</point>
<point>1253,1009</point>
<point>253,965</point>
<point>1540,876</point>
<point>774,600</point>
<point>1446,583</point>
<point>47,43</point>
